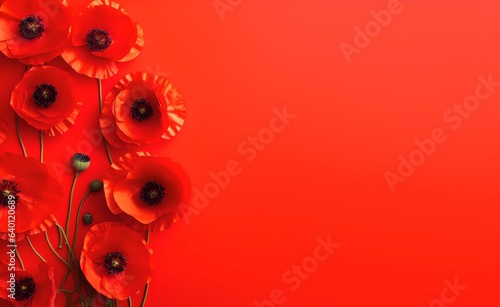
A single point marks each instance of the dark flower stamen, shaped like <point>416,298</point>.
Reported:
<point>81,157</point>
<point>31,27</point>
<point>141,110</point>
<point>115,263</point>
<point>25,288</point>
<point>152,193</point>
<point>45,95</point>
<point>8,187</point>
<point>98,40</point>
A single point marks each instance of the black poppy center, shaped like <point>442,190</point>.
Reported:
<point>8,188</point>
<point>115,263</point>
<point>31,27</point>
<point>152,193</point>
<point>98,40</point>
<point>141,110</point>
<point>45,95</point>
<point>25,288</point>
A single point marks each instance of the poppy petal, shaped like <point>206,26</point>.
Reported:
<point>55,119</point>
<point>124,182</point>
<point>112,237</point>
<point>53,39</point>
<point>127,192</point>
<point>121,130</point>
<point>36,202</point>
<point>86,63</point>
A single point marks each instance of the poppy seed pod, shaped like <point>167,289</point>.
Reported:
<point>80,162</point>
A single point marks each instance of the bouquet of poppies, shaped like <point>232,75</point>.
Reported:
<point>142,189</point>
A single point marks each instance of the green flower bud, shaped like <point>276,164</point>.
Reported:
<point>96,185</point>
<point>80,162</point>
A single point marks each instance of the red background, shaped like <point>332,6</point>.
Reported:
<point>324,173</point>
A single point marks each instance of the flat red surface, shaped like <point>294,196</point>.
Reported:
<point>322,174</point>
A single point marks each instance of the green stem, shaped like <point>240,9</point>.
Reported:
<point>41,146</point>
<point>108,153</point>
<point>67,244</point>
<point>60,239</point>
<point>68,299</point>
<point>70,206</point>
<point>146,289</point>
<point>34,250</point>
<point>75,261</point>
<point>99,88</point>
<point>129,301</point>
<point>82,301</point>
<point>67,293</point>
<point>20,259</point>
<point>77,223</point>
<point>74,235</point>
<point>19,136</point>
<point>92,297</point>
<point>53,250</point>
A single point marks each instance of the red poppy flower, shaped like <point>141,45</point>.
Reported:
<point>3,130</point>
<point>142,109</point>
<point>115,260</point>
<point>146,191</point>
<point>27,290</point>
<point>27,188</point>
<point>34,32</point>
<point>44,98</point>
<point>102,35</point>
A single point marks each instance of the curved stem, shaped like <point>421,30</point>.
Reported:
<point>74,235</point>
<point>54,251</point>
<point>71,252</point>
<point>146,289</point>
<point>110,159</point>
<point>129,301</point>
<point>67,244</point>
<point>68,299</point>
<point>92,297</point>
<point>60,238</point>
<point>19,136</point>
<point>41,146</point>
<point>82,301</point>
<point>77,223</point>
<point>70,206</point>
<point>34,250</point>
<point>75,261</point>
<point>99,88</point>
<point>66,291</point>
<point>21,264</point>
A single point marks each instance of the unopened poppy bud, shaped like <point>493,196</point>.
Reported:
<point>96,185</point>
<point>80,162</point>
<point>87,218</point>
